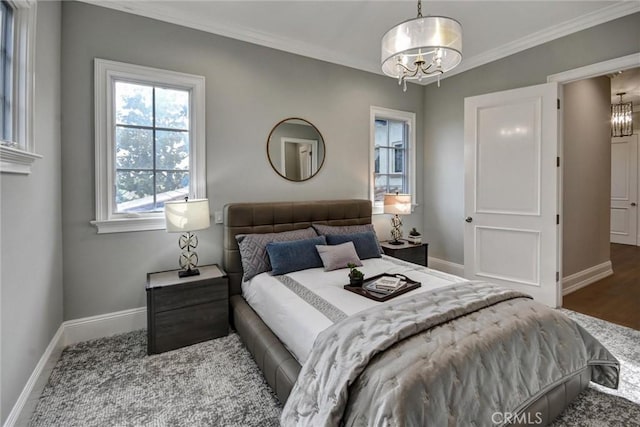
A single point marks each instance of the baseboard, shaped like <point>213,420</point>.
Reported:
<point>104,325</point>
<point>586,277</point>
<point>446,266</point>
<point>71,332</point>
<point>25,405</point>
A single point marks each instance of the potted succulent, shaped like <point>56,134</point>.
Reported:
<point>356,277</point>
<point>414,237</point>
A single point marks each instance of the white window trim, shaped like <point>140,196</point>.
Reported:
<point>18,156</point>
<point>105,74</point>
<point>410,118</point>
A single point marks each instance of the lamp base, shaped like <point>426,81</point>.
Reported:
<point>188,273</point>
<point>395,242</point>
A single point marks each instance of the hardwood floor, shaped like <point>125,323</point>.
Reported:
<point>616,298</point>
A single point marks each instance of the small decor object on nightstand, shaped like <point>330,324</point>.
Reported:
<point>397,204</point>
<point>414,237</point>
<point>356,277</point>
<point>185,217</point>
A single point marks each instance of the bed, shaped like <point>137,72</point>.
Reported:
<point>281,364</point>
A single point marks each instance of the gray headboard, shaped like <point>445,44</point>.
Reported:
<point>247,218</point>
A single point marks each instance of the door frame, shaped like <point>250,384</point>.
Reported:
<point>289,140</point>
<point>588,71</point>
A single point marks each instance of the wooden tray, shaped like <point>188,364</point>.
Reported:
<point>360,290</point>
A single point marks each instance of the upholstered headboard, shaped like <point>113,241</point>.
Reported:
<point>248,218</point>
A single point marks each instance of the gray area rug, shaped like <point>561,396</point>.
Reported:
<point>600,406</point>
<point>112,382</point>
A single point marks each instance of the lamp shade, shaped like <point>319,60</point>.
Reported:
<point>399,204</point>
<point>186,216</point>
<point>428,38</point>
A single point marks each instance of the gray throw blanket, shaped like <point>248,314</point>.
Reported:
<point>451,356</point>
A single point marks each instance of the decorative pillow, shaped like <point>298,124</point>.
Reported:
<point>366,243</point>
<point>295,255</point>
<point>253,249</point>
<point>333,230</point>
<point>338,256</point>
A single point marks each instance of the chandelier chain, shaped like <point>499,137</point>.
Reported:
<point>419,8</point>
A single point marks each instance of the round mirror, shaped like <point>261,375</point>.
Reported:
<point>295,149</point>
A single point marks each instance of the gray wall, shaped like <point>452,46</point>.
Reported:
<point>249,89</point>
<point>31,245</point>
<point>444,117</point>
<point>586,174</point>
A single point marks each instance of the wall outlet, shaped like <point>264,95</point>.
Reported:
<point>217,217</point>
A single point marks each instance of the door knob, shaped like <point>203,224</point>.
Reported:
<point>468,219</point>
<point>633,203</point>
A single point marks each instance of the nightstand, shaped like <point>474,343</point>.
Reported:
<point>417,254</point>
<point>185,311</point>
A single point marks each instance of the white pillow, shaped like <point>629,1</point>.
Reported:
<point>338,256</point>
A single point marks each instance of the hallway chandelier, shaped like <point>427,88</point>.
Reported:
<point>621,117</point>
<point>421,47</point>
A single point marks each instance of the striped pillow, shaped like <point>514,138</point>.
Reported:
<point>253,249</point>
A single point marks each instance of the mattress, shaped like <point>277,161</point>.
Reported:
<point>297,320</point>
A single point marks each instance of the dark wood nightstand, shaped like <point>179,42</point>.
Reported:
<point>417,254</point>
<point>186,311</point>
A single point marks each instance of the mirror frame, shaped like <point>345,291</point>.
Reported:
<point>276,170</point>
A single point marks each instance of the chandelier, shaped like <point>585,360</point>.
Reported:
<point>421,47</point>
<point>621,117</point>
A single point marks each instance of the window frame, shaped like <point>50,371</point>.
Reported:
<point>106,73</point>
<point>409,118</point>
<point>17,155</point>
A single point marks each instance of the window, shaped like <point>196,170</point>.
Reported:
<point>149,144</point>
<point>393,143</point>
<point>17,27</point>
<point>6,70</point>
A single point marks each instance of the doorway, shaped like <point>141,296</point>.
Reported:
<point>299,158</point>
<point>597,290</point>
<point>624,190</point>
<point>625,178</point>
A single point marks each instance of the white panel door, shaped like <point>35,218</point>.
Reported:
<point>511,190</point>
<point>304,154</point>
<point>624,190</point>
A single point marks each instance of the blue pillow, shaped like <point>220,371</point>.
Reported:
<point>366,243</point>
<point>294,255</point>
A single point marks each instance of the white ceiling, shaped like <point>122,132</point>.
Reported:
<point>348,32</point>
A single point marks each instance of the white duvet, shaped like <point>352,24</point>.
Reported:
<point>297,324</point>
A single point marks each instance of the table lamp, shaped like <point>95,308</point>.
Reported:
<point>397,204</point>
<point>186,217</point>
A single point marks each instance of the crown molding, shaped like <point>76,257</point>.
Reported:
<point>298,47</point>
<point>583,22</point>
<point>241,33</point>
